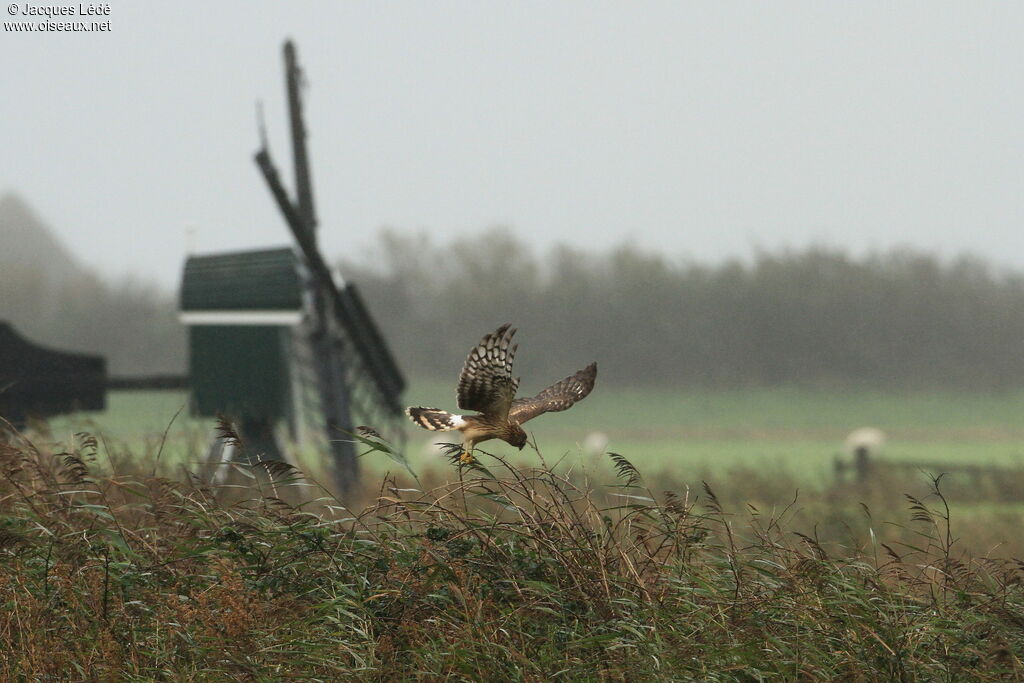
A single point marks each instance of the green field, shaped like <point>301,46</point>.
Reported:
<point>795,429</point>
<point>799,431</point>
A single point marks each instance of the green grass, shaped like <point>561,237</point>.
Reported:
<point>708,433</point>
<point>799,430</point>
<point>142,423</point>
<point>786,408</point>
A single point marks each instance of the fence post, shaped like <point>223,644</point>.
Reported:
<point>861,465</point>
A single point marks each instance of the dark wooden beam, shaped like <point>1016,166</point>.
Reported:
<point>303,181</point>
<point>348,307</point>
<point>149,382</point>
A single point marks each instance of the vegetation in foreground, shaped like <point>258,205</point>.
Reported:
<point>108,572</point>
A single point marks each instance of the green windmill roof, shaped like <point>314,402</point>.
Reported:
<point>264,280</point>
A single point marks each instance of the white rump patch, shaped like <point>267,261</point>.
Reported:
<point>456,421</point>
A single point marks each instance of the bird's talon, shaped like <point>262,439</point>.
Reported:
<point>467,458</point>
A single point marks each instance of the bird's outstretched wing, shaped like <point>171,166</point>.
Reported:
<point>486,383</point>
<point>559,396</point>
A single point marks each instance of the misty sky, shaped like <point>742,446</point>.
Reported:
<point>704,129</point>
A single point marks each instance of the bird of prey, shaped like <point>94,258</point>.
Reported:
<point>486,385</point>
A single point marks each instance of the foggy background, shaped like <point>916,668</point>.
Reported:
<point>797,178</point>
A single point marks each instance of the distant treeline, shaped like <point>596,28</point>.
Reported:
<point>817,316</point>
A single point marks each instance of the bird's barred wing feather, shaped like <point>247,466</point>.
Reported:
<point>559,396</point>
<point>435,419</point>
<point>486,383</point>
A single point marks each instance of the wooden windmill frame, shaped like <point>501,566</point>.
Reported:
<point>341,353</point>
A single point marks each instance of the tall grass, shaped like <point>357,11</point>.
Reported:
<point>108,572</point>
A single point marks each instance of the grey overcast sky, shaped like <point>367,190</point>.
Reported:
<point>700,129</point>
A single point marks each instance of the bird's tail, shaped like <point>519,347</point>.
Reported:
<point>434,419</point>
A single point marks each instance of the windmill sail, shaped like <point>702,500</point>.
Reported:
<point>356,375</point>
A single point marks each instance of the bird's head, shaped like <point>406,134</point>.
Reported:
<point>517,437</point>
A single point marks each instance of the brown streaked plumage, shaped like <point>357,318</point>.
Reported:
<point>486,385</point>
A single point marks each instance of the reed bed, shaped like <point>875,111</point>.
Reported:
<point>111,571</point>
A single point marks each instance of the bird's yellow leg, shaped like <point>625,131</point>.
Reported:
<point>467,455</point>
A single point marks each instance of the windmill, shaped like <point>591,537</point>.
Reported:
<point>276,338</point>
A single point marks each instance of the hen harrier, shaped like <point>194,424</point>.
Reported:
<point>486,385</point>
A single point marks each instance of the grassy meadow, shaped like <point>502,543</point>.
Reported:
<point>756,447</point>
<point>798,430</point>
<point>682,433</point>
